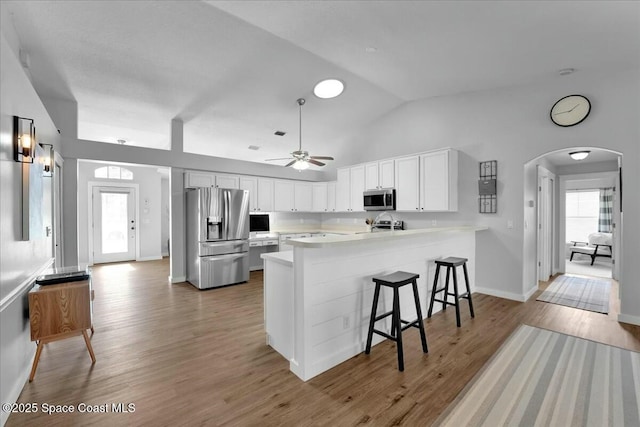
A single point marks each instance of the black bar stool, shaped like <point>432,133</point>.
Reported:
<point>395,281</point>
<point>451,263</point>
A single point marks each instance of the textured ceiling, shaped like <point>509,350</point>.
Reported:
<point>232,70</point>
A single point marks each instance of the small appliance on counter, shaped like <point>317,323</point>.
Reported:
<point>386,224</point>
<point>380,200</point>
<point>217,237</point>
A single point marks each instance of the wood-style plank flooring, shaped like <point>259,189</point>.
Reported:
<point>189,357</point>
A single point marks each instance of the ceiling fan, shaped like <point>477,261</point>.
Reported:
<point>301,159</point>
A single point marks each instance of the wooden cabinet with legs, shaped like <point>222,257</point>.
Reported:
<point>60,311</point>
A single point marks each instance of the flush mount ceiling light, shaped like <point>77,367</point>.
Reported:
<point>329,88</point>
<point>579,155</point>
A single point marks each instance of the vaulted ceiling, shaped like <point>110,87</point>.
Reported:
<point>232,70</point>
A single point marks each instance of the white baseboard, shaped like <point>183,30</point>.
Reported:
<point>150,258</point>
<point>177,279</point>
<point>626,318</point>
<point>530,293</point>
<point>501,294</point>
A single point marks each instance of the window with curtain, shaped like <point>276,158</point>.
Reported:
<point>582,214</point>
<point>606,210</point>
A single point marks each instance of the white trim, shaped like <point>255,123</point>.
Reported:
<point>177,279</point>
<point>501,294</point>
<point>149,258</point>
<point>90,186</point>
<point>19,290</point>
<point>530,293</point>
<point>627,318</point>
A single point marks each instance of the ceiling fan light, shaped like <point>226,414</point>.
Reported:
<point>579,155</point>
<point>300,165</point>
<point>329,88</point>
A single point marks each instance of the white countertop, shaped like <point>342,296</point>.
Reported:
<point>285,257</point>
<point>323,242</point>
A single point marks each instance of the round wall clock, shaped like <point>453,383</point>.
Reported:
<point>570,110</point>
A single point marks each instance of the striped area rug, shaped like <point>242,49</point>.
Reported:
<point>586,293</point>
<point>544,378</point>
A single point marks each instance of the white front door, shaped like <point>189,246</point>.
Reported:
<point>114,227</point>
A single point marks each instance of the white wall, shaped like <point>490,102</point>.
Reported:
<point>164,215</point>
<point>512,126</point>
<point>20,260</point>
<point>150,225</point>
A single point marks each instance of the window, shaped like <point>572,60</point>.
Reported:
<point>582,214</point>
<point>113,172</point>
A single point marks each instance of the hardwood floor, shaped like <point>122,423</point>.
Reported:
<point>189,357</point>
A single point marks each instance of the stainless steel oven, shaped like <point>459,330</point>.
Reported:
<point>380,200</point>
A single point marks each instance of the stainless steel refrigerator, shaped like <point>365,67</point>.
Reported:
<point>217,237</point>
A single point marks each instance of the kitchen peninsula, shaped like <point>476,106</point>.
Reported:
<point>317,298</point>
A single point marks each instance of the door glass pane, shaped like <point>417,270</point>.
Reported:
<point>114,223</point>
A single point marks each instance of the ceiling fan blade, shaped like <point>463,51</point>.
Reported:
<point>315,162</point>
<point>290,163</point>
<point>281,158</point>
<point>321,157</point>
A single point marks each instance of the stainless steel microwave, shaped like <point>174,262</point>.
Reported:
<point>380,200</point>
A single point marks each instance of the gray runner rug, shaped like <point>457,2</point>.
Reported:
<point>544,378</point>
<point>579,292</point>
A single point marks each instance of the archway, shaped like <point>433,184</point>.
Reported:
<point>559,164</point>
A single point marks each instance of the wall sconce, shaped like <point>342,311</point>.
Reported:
<point>47,160</point>
<point>24,139</point>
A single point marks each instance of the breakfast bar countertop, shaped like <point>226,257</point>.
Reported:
<point>322,242</point>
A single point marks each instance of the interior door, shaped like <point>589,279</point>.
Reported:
<point>114,227</point>
<point>546,226</point>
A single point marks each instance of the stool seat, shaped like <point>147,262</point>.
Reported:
<point>451,261</point>
<point>395,281</point>
<point>399,278</point>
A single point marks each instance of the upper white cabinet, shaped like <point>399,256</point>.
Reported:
<point>207,179</point>
<point>320,196</point>
<point>439,181</point>
<point>265,194</point>
<point>427,182</point>
<point>331,196</point>
<point>250,183</point>
<point>283,199</point>
<point>407,189</point>
<point>303,197</point>
<point>260,193</point>
<point>349,189</point>
<point>379,174</point>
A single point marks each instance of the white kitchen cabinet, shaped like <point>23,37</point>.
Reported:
<point>331,196</point>
<point>379,174</point>
<point>319,196</point>
<point>302,196</point>
<point>208,179</point>
<point>343,200</point>
<point>227,181</point>
<point>427,182</point>
<point>199,179</point>
<point>283,198</point>
<point>349,189</point>
<point>439,181</point>
<point>265,195</point>
<point>407,171</point>
<point>356,174</point>
<point>250,183</point>
<point>260,193</point>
